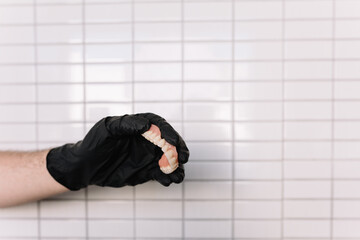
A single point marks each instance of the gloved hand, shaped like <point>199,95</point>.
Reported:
<point>113,153</point>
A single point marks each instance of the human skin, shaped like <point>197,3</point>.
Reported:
<point>24,177</point>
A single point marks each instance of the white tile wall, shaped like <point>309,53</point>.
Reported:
<point>265,93</point>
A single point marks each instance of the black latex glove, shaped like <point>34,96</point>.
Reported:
<point>113,153</point>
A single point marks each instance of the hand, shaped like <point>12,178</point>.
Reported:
<point>114,154</point>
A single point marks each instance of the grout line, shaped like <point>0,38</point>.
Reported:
<point>156,61</point>
<point>203,81</point>
<point>332,120</point>
<point>261,20</point>
<point>193,238</point>
<point>124,2</point>
<point>182,114</point>
<point>56,4</point>
<point>193,219</point>
<point>203,200</point>
<point>283,14</point>
<point>133,101</point>
<point>207,40</point>
<point>255,121</point>
<point>187,101</point>
<point>83,44</point>
<point>233,119</point>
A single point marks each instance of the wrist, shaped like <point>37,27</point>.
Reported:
<point>58,161</point>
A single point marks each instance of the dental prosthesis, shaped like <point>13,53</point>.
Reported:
<point>169,160</point>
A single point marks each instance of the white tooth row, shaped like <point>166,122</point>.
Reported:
<point>170,155</point>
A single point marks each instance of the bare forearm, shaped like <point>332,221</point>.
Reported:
<point>24,177</point>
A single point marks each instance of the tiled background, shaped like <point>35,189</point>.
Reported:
<point>265,92</point>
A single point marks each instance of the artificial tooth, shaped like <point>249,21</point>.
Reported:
<point>157,139</point>
<point>165,147</point>
<point>176,166</point>
<point>172,161</point>
<point>153,136</point>
<point>161,143</point>
<point>166,169</point>
<point>169,154</point>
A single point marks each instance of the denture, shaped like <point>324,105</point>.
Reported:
<point>169,160</point>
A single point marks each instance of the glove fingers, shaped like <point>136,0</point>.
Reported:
<point>127,125</point>
<point>166,179</point>
<point>174,138</point>
<point>162,178</point>
<point>170,135</point>
<point>178,175</point>
<point>167,131</point>
<point>152,117</point>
